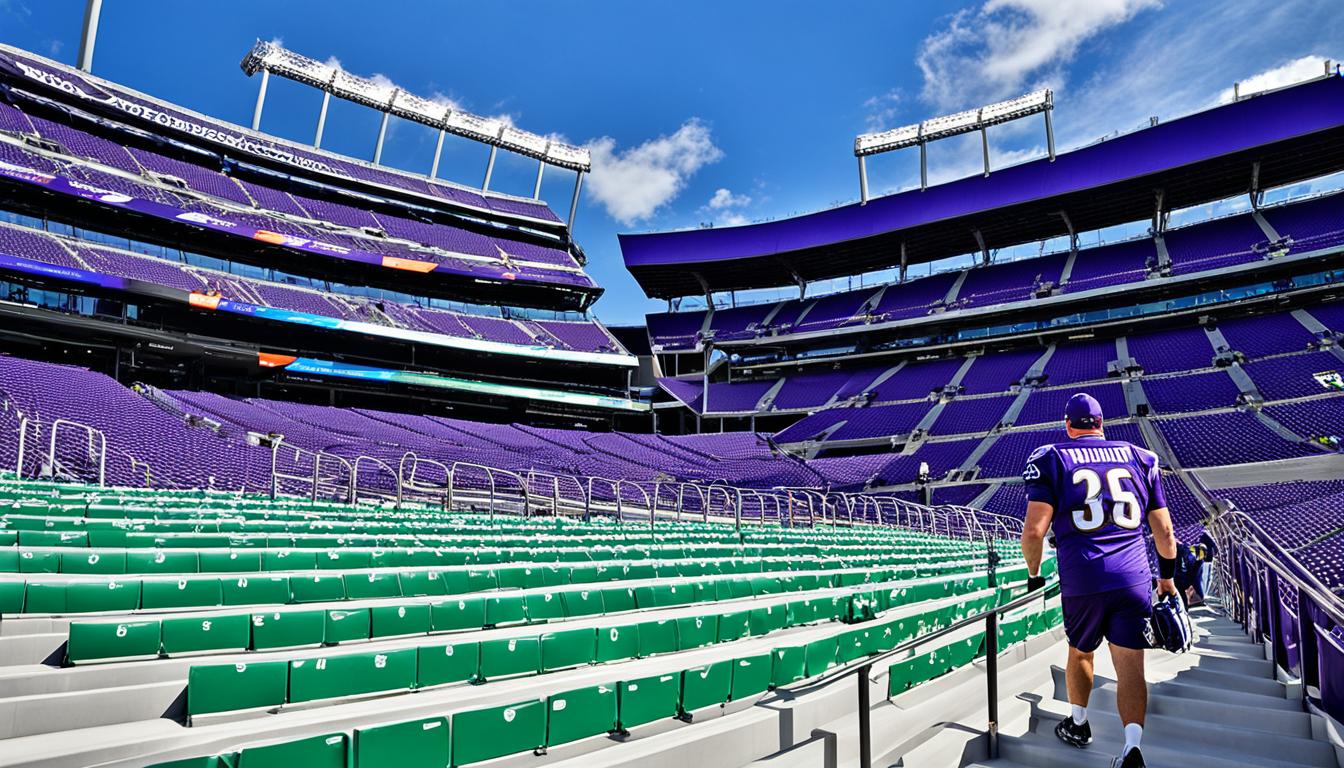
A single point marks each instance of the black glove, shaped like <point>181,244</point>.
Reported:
<point>1035,582</point>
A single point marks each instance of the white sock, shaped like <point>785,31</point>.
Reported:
<point>1133,735</point>
<point>1079,714</point>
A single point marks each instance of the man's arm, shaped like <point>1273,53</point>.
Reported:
<point>1164,539</point>
<point>1037,525</point>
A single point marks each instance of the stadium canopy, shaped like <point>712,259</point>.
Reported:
<point>1256,143</point>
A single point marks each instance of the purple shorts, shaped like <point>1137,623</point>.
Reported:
<point>1120,616</point>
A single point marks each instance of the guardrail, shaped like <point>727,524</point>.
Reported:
<point>1280,603</point>
<point>862,668</point>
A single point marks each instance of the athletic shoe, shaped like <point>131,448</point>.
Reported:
<point>1132,759</point>
<point>1073,734</point>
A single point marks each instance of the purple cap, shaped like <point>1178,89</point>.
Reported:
<point>1083,411</point>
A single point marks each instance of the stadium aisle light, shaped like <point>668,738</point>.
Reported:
<point>920,134</point>
<point>269,58</point>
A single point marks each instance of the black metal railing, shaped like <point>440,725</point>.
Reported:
<point>862,668</point>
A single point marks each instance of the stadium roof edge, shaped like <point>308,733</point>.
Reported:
<point>1275,138</point>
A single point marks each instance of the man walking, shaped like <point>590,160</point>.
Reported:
<point>1095,494</point>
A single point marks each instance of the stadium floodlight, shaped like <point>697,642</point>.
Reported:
<point>971,120</point>
<point>382,95</point>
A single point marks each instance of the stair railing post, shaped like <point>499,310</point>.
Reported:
<point>992,653</point>
<point>865,720</point>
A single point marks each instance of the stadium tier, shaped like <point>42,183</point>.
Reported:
<point>1303,229</point>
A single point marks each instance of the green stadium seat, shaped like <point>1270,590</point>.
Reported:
<point>544,606</point>
<point>734,626</point>
<point>256,590</point>
<point>317,588</point>
<point>706,686</point>
<point>569,648</point>
<point>187,592</point>
<point>342,625</point>
<point>906,674</point>
<point>788,665</point>
<point>351,674</point>
<point>287,629</point>
<point>763,621</point>
<point>646,699</point>
<point>657,637</point>
<point>618,599</point>
<point>367,586</point>
<point>394,620</point>
<point>161,561</point>
<point>421,583</point>
<point>581,713</point>
<point>111,595</point>
<point>99,640</point>
<point>93,562</point>
<point>801,612</point>
<point>230,687</point>
<point>696,631</point>
<point>206,633</point>
<point>509,656</point>
<point>412,744</point>
<point>289,560</point>
<point>464,580</point>
<point>443,664</point>
<point>11,596</point>
<point>336,559</point>
<point>457,613</point>
<point>750,676</point>
<point>617,643</point>
<point>505,609</point>
<point>45,597</point>
<point>581,602</point>
<point>234,561</point>
<point>329,751</point>
<point>483,734</point>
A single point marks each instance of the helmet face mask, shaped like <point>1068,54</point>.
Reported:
<point>1169,628</point>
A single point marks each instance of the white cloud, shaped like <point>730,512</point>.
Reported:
<point>882,110</point>
<point>1295,71</point>
<point>1006,47</point>
<point>724,198</point>
<point>632,184</point>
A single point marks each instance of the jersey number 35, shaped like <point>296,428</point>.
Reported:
<point>1125,509</point>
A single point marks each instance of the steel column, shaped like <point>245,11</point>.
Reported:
<point>382,134</point>
<point>865,721</point>
<point>984,146</point>
<point>1049,133</point>
<point>536,188</point>
<point>863,181</point>
<point>923,165</point>
<point>489,168</point>
<point>574,201</point>
<point>438,152</point>
<point>88,36</point>
<point>261,99</point>
<point>322,118</point>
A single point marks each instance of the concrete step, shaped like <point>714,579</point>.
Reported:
<point>1195,737</point>
<point>1038,751</point>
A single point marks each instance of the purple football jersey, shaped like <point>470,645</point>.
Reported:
<point>1101,491</point>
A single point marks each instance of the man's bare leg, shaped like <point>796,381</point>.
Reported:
<point>1078,675</point>
<point>1131,692</point>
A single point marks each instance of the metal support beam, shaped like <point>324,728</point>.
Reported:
<point>1050,133</point>
<point>980,241</point>
<point>1159,214</point>
<point>438,152</point>
<point>574,200</point>
<point>1073,233</point>
<point>382,134</point>
<point>322,118</point>
<point>1257,196</point>
<point>489,168</point>
<point>984,147</point>
<point>923,166</point>
<point>536,188</point>
<point>863,181</point>
<point>905,263</point>
<point>261,99</point>
<point>89,35</point>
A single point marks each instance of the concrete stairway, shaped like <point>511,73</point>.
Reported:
<point>1218,706</point>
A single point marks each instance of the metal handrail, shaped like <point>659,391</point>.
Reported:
<point>1245,530</point>
<point>862,667</point>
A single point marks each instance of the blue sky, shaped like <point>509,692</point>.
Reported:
<point>702,111</point>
